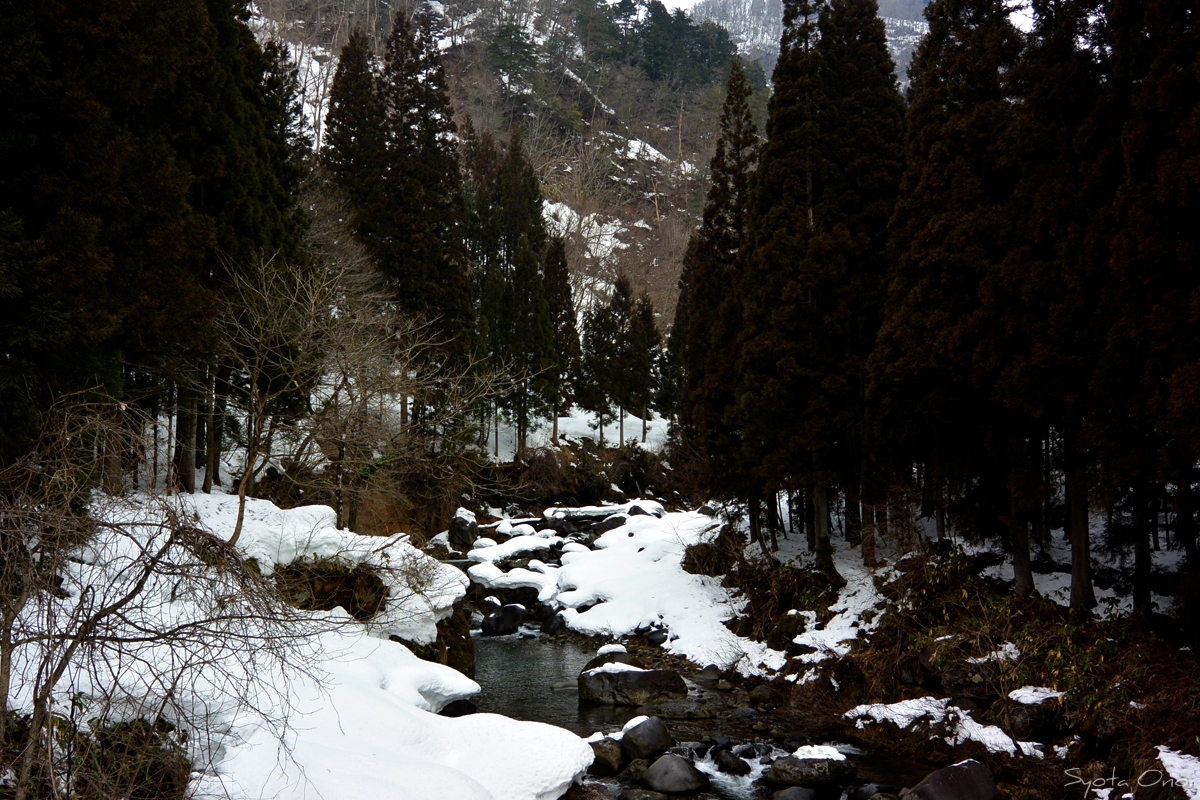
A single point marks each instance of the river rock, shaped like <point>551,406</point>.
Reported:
<point>609,760</point>
<point>641,794</point>
<point>795,793</point>
<point>810,773</point>
<point>656,637</point>
<point>504,621</point>
<point>647,739</point>
<point>967,780</point>
<point>710,674</point>
<point>555,625</point>
<point>679,709</point>
<point>765,697</point>
<point>459,708</point>
<point>464,530</point>
<point>674,775</point>
<point>869,791</point>
<point>611,658</point>
<point>634,771</point>
<point>609,524</point>
<point>729,763</point>
<point>636,687</point>
<point>1027,721</point>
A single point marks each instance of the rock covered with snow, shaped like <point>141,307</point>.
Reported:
<point>959,726</point>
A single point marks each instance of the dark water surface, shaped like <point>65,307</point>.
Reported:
<point>534,680</point>
<point>531,679</point>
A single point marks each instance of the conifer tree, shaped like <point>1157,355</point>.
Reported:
<point>952,226</point>
<point>564,369</point>
<point>424,255</point>
<point>640,353</point>
<point>355,146</point>
<point>531,341</point>
<point>701,349</point>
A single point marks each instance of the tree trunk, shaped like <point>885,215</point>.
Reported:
<point>212,446</point>
<point>810,524</point>
<point>1185,520</point>
<point>186,436</point>
<point>773,520</point>
<point>752,507</point>
<point>851,494</point>
<point>1083,596</point>
<point>868,532</point>
<point>554,424</point>
<point>621,427</point>
<point>114,475</point>
<point>644,413</point>
<point>1018,526</point>
<point>824,545</point>
<point>1141,550</point>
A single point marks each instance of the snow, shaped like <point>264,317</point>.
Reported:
<point>369,733</point>
<point>633,578</point>
<point>959,725</point>
<point>821,752</point>
<point>613,667</point>
<point>611,648</point>
<point>422,590</point>
<point>1033,695</point>
<point>1007,652</point>
<point>349,715</point>
<point>1183,769</point>
<point>530,543</point>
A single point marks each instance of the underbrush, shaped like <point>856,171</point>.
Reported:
<point>952,633</point>
<point>580,472</point>
<point>322,584</point>
<point>135,760</point>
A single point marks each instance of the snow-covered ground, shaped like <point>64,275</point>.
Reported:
<point>631,579</point>
<point>327,708</point>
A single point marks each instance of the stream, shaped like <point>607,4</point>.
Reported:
<point>526,678</point>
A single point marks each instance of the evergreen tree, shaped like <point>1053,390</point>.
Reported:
<point>640,353</point>
<point>355,145</point>
<point>701,346</point>
<point>952,227</point>
<point>423,251</point>
<point>826,183</point>
<point>531,337</point>
<point>564,370</point>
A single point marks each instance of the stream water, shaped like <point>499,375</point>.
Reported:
<point>531,679</point>
<point>535,680</point>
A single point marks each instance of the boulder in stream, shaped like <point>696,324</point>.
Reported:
<point>626,685</point>
<point>674,775</point>
<point>464,530</point>
<point>728,763</point>
<point>610,758</point>
<point>809,769</point>
<point>505,620</point>
<point>967,780</point>
<point>641,794</point>
<point>647,739</point>
<point>795,793</point>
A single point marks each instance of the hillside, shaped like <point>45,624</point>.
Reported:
<point>618,106</point>
<point>756,26</point>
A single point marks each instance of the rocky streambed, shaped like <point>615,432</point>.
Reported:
<point>659,725</point>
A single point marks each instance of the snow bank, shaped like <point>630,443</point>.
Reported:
<point>421,590</point>
<point>959,725</point>
<point>368,733</point>
<point>634,579</point>
<point>1183,769</point>
<point>347,714</point>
